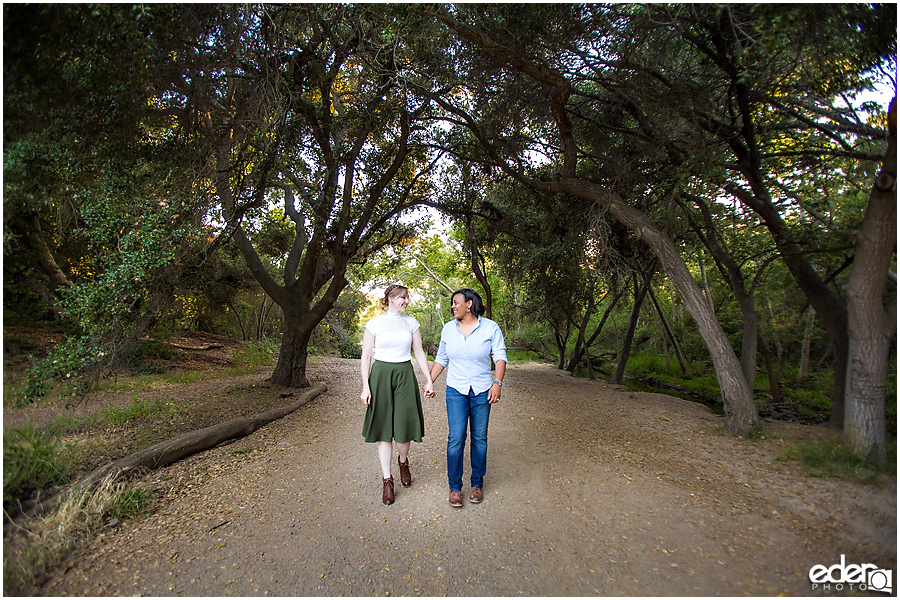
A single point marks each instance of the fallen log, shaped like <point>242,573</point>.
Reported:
<point>176,448</point>
<point>209,346</point>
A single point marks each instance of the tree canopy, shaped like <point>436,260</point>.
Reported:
<point>713,159</point>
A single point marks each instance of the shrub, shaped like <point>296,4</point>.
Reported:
<point>32,462</point>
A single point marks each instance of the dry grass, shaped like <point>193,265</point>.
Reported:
<point>37,545</point>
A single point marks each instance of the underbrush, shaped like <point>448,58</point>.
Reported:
<point>808,401</point>
<point>39,460</point>
<point>36,545</point>
<point>33,461</point>
<point>833,458</point>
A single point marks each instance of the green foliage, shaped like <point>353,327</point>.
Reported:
<point>244,451</point>
<point>139,409</point>
<point>522,356</point>
<point>157,349</point>
<point>833,458</point>
<point>72,363</point>
<point>254,354</point>
<point>32,462</point>
<point>128,503</point>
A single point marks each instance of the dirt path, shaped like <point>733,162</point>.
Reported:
<point>591,490</point>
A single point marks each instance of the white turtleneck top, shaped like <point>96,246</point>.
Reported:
<point>393,336</point>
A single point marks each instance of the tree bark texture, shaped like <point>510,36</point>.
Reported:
<point>290,370</point>
<point>871,324</point>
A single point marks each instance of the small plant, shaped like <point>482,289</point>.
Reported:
<point>833,458</point>
<point>128,502</point>
<point>32,462</point>
<point>350,349</point>
<point>45,541</point>
<point>138,410</point>
<point>254,355</point>
<point>244,451</point>
<point>75,363</point>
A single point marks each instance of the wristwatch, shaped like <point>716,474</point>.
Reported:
<point>500,383</point>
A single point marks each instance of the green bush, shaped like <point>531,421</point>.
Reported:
<point>32,461</point>
<point>73,362</point>
<point>351,349</point>
<point>255,354</point>
<point>130,502</point>
<point>157,349</point>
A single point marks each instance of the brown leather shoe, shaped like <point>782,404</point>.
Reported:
<point>475,496</point>
<point>455,499</point>
<point>405,475</point>
<point>387,496</point>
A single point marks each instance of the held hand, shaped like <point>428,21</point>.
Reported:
<point>366,397</point>
<point>429,390</point>
<point>494,394</point>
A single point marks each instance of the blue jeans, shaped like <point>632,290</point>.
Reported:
<point>467,411</point>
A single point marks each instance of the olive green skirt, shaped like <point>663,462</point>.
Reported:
<point>395,410</point>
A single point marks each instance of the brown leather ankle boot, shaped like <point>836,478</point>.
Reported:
<point>387,496</point>
<point>405,475</point>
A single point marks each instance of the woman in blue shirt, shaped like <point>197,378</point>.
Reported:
<point>467,344</point>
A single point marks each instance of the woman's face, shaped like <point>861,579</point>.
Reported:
<point>399,302</point>
<point>459,306</point>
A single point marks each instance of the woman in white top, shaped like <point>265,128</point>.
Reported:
<point>390,390</point>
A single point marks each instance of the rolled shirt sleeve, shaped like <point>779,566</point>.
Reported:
<point>469,358</point>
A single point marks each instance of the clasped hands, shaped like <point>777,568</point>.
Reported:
<point>428,388</point>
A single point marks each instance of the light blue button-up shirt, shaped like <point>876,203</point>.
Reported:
<point>469,357</point>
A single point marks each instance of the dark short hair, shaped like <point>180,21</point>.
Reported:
<point>477,305</point>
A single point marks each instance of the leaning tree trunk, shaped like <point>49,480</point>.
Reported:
<point>639,293</point>
<point>741,414</point>
<point>676,347</point>
<point>871,324</point>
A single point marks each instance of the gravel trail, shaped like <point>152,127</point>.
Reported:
<point>591,489</point>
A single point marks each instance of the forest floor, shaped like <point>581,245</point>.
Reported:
<point>591,489</point>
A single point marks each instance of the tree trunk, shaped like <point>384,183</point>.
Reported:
<point>705,281</point>
<point>871,324</point>
<point>668,330</point>
<point>741,415</point>
<point>776,389</point>
<point>832,313</point>
<point>47,263</point>
<point>639,293</point>
<point>577,352</point>
<point>749,337</point>
<point>560,348</point>
<point>477,270</point>
<point>290,371</point>
<point>803,371</point>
